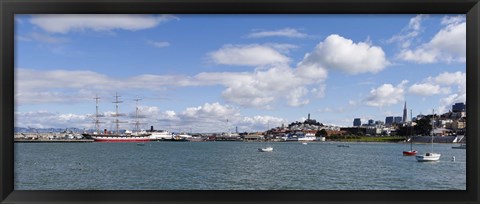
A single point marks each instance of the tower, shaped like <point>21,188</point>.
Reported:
<point>405,112</point>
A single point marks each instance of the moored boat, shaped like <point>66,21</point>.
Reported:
<point>106,136</point>
<point>429,156</point>
<point>410,153</point>
<point>159,134</point>
<point>266,149</point>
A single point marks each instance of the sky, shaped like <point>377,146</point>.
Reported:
<point>212,73</point>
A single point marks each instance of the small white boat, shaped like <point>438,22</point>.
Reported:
<point>304,143</point>
<point>266,149</point>
<point>428,157</point>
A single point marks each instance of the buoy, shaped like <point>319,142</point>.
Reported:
<point>453,158</point>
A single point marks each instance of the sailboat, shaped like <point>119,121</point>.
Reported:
<point>410,152</point>
<point>108,136</point>
<point>266,149</point>
<point>429,156</point>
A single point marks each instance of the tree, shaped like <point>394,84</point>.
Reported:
<point>423,126</point>
<point>321,133</point>
<point>405,131</point>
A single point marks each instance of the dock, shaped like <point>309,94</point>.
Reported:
<point>53,141</point>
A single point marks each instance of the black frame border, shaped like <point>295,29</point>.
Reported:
<point>8,8</point>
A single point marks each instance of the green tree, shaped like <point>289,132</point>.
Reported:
<point>423,126</point>
<point>405,131</point>
<point>321,133</point>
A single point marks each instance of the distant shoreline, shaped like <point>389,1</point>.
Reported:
<point>328,141</point>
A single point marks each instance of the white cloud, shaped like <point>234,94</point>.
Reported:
<point>159,44</point>
<point>286,32</point>
<point>442,85</point>
<point>339,53</point>
<point>311,72</point>
<point>46,119</point>
<point>386,95</point>
<point>320,91</point>
<point>448,78</point>
<point>64,23</point>
<point>212,111</point>
<point>261,88</point>
<point>447,102</point>
<point>258,122</point>
<point>44,38</point>
<point>425,89</point>
<point>248,55</point>
<point>209,117</point>
<point>409,33</point>
<point>448,45</point>
<point>295,97</point>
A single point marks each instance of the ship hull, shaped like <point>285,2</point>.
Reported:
<point>409,153</point>
<point>118,138</point>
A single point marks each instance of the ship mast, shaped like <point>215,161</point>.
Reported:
<point>97,126</point>
<point>117,122</point>
<point>137,123</point>
<point>97,115</point>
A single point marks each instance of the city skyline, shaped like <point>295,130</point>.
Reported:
<point>195,72</point>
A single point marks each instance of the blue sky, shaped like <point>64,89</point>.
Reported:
<point>195,72</point>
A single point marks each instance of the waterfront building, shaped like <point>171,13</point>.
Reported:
<point>357,122</point>
<point>254,137</point>
<point>371,130</point>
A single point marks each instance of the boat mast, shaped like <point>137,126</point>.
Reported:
<point>411,125</point>
<point>137,123</point>
<point>97,126</point>
<point>116,113</point>
<point>228,127</point>
<point>433,126</point>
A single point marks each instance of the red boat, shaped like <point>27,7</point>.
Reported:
<point>410,153</point>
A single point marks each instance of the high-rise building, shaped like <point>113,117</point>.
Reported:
<point>389,120</point>
<point>405,112</point>
<point>357,122</point>
<point>397,119</point>
<point>371,122</point>
<point>458,107</point>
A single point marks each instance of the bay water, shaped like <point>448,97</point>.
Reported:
<point>235,166</point>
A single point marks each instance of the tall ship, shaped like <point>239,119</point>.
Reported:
<point>117,136</point>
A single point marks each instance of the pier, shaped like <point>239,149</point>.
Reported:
<point>49,137</point>
<point>54,141</point>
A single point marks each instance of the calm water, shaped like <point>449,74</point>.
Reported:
<point>234,165</point>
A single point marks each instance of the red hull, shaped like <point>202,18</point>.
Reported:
<point>410,153</point>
